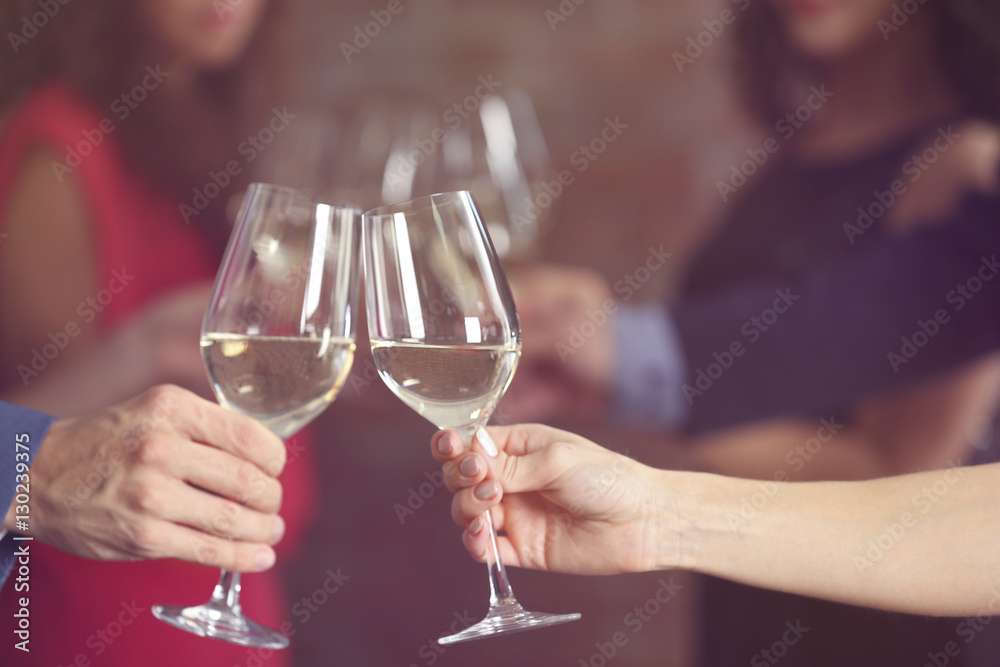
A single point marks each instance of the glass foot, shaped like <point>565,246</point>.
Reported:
<point>218,622</point>
<point>505,618</point>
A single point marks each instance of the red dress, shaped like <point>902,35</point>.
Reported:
<point>85,612</point>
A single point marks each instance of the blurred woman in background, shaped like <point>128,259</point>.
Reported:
<point>874,121</point>
<point>127,128</point>
<point>909,127</point>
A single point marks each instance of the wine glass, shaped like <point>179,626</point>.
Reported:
<point>446,340</point>
<point>278,342</point>
<point>498,153</point>
<point>508,139</point>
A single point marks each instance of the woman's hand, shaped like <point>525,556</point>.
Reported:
<point>560,502</point>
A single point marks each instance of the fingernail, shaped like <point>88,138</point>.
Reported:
<point>444,444</point>
<point>265,559</point>
<point>476,526</point>
<point>487,490</point>
<point>470,467</point>
<point>278,531</point>
<point>486,442</point>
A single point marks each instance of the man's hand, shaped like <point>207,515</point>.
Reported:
<point>560,372</point>
<point>563,503</point>
<point>164,475</point>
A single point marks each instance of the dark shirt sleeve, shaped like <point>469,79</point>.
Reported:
<point>891,312</point>
<point>22,431</point>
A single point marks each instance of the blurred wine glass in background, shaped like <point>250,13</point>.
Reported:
<point>515,208</point>
<point>498,153</point>
<point>392,149</point>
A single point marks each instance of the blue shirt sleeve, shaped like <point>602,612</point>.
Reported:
<point>22,431</point>
<point>650,368</point>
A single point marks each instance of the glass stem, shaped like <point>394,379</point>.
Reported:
<point>227,591</point>
<point>500,591</point>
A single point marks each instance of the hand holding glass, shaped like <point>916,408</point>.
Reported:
<point>446,340</point>
<point>278,342</point>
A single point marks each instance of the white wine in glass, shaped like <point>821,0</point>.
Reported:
<point>278,343</point>
<point>446,340</point>
<point>284,382</point>
<point>458,384</point>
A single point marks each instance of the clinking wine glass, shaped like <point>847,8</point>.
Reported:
<point>278,343</point>
<point>446,340</point>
